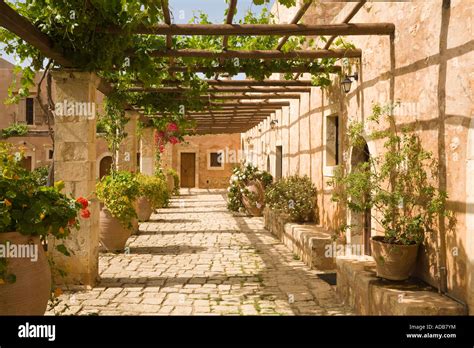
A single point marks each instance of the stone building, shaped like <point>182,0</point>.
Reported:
<point>37,146</point>
<point>204,161</point>
<point>427,67</point>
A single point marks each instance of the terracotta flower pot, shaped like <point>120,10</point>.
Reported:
<point>113,235</point>
<point>393,261</point>
<point>254,206</point>
<point>30,293</point>
<point>144,209</point>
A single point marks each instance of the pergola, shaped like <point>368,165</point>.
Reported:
<point>221,114</point>
<point>230,106</point>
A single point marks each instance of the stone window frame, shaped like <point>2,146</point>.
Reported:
<point>208,160</point>
<point>328,170</point>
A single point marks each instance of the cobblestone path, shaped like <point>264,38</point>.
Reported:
<point>197,258</point>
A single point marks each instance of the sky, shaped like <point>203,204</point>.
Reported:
<point>182,11</point>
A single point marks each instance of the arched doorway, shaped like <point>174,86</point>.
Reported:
<point>105,166</point>
<point>361,230</point>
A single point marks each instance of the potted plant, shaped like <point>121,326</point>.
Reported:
<point>29,214</point>
<point>118,193</point>
<point>153,194</point>
<point>294,197</point>
<point>175,180</point>
<point>247,189</point>
<point>399,189</point>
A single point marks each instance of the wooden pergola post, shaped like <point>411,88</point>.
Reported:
<point>74,164</point>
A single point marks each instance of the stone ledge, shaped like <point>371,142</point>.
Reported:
<point>360,288</point>
<point>307,241</point>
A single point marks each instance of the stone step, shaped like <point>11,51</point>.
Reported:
<point>307,241</point>
<point>360,288</point>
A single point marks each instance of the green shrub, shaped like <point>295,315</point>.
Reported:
<point>118,191</point>
<point>175,176</point>
<point>154,189</point>
<point>294,196</point>
<point>240,178</point>
<point>14,130</point>
<point>40,175</point>
<point>167,194</point>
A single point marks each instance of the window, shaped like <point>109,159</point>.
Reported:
<point>29,110</point>
<point>332,140</point>
<point>215,160</point>
<point>50,154</point>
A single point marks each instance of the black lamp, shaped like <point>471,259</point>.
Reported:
<point>273,124</point>
<point>347,82</point>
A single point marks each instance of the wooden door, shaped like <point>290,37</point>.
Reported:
<point>188,169</point>
<point>26,163</point>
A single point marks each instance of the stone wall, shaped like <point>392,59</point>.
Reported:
<point>428,68</point>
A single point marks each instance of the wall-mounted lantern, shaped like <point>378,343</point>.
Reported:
<point>273,124</point>
<point>347,82</point>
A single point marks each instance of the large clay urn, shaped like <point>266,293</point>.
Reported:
<point>113,235</point>
<point>254,200</point>
<point>30,293</point>
<point>144,209</point>
<point>393,261</point>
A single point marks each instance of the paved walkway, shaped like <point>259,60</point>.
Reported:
<point>197,258</point>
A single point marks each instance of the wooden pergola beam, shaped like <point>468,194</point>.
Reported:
<point>251,104</point>
<point>259,54</point>
<point>230,16</point>
<point>231,109</point>
<point>216,89</point>
<point>302,10</point>
<point>220,69</point>
<point>23,28</point>
<point>244,97</point>
<point>263,29</point>
<point>229,112</point>
<point>226,114</point>
<point>348,18</point>
<point>249,83</point>
<point>167,18</point>
<point>253,96</point>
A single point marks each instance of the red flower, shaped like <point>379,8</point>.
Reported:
<point>84,202</point>
<point>172,127</point>
<point>85,213</point>
<point>71,222</point>
<point>162,148</point>
<point>174,140</point>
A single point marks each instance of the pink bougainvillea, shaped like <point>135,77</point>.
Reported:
<point>172,127</point>
<point>170,135</point>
